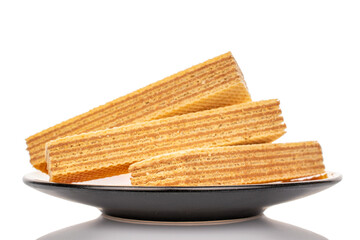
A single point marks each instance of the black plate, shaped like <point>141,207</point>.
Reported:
<point>182,203</point>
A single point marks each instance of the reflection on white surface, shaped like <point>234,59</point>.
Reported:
<point>252,229</point>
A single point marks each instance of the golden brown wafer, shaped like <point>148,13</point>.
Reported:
<point>215,83</point>
<point>109,152</point>
<point>230,165</point>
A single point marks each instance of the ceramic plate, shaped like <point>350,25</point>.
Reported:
<point>116,197</point>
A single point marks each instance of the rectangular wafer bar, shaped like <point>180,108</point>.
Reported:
<point>215,83</point>
<point>109,152</point>
<point>230,165</point>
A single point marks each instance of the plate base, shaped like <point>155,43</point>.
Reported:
<point>186,223</point>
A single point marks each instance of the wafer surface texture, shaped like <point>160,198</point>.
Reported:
<point>230,165</point>
<point>110,152</point>
<point>215,83</point>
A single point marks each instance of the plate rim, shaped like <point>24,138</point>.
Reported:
<point>335,177</point>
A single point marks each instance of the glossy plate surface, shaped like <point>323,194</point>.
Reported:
<point>116,197</point>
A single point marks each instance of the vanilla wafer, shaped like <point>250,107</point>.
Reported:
<point>109,152</point>
<point>215,83</point>
<point>230,165</point>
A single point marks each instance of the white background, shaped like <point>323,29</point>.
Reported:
<point>62,58</point>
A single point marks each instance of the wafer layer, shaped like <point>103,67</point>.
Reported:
<point>230,165</point>
<point>215,83</point>
<point>109,152</point>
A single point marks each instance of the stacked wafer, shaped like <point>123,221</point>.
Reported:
<point>195,128</point>
<point>110,152</point>
<point>215,83</point>
<point>230,165</point>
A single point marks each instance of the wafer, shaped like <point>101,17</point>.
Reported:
<point>230,165</point>
<point>109,152</point>
<point>215,83</point>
